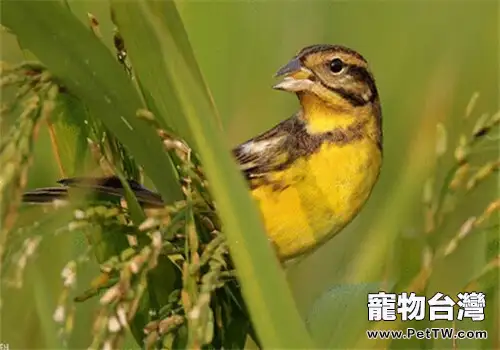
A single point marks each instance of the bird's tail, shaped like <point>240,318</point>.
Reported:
<point>45,195</point>
<point>110,186</point>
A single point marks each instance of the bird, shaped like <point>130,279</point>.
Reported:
<point>311,174</point>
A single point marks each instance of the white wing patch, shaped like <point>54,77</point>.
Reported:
<point>259,146</point>
<point>256,151</point>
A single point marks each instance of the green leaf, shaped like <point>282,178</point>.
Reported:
<point>340,316</point>
<point>88,70</point>
<point>68,131</point>
<point>161,94</point>
<point>264,286</point>
<point>70,135</point>
<point>133,205</point>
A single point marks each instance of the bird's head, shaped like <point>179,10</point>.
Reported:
<point>335,74</point>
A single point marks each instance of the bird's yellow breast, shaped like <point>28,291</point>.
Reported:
<point>320,194</point>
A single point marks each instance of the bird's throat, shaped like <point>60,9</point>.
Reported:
<point>322,117</point>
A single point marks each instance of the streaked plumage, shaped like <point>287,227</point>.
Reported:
<point>311,173</point>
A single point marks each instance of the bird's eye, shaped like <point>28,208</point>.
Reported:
<point>336,65</point>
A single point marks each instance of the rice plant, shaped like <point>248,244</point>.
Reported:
<point>183,276</point>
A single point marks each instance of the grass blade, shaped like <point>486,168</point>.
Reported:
<point>268,297</point>
<point>87,68</point>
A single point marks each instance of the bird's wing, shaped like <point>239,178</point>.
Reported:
<point>270,151</point>
<point>266,152</point>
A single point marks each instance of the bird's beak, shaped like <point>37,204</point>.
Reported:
<point>295,77</point>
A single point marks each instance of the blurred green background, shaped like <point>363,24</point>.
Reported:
<point>428,58</point>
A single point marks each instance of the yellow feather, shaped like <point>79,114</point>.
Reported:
<point>326,191</point>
